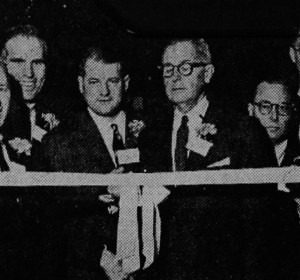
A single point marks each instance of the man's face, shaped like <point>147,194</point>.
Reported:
<point>103,86</point>
<point>184,90</point>
<point>4,96</point>
<point>276,124</point>
<point>26,63</point>
<point>295,53</point>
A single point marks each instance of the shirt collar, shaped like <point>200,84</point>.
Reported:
<point>198,111</point>
<point>280,150</point>
<point>106,122</point>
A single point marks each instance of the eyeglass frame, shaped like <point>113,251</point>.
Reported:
<point>191,64</point>
<point>296,49</point>
<point>277,106</point>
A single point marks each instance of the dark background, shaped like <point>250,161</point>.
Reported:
<point>247,37</point>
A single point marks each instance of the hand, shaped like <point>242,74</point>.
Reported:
<point>118,170</point>
<point>115,190</point>
<point>112,266</point>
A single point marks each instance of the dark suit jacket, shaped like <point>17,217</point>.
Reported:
<point>235,234</point>
<point>292,151</point>
<point>86,222</point>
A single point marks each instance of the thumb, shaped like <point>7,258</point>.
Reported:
<point>119,170</point>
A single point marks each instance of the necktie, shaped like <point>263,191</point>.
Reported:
<point>117,143</point>
<point>3,164</point>
<point>32,114</point>
<point>182,139</point>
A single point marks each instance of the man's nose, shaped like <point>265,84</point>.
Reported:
<point>28,70</point>
<point>104,89</point>
<point>274,113</point>
<point>176,75</point>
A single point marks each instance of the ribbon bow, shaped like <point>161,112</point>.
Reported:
<point>128,245</point>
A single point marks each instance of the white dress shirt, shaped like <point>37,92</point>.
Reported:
<point>195,116</point>
<point>104,125</point>
<point>280,151</point>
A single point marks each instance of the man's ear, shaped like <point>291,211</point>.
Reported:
<point>250,109</point>
<point>3,57</point>
<point>80,84</point>
<point>126,80</point>
<point>292,55</point>
<point>209,71</point>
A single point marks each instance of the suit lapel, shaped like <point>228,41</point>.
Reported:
<point>291,152</point>
<point>92,146</point>
<point>166,147</point>
<point>218,151</point>
<point>156,142</point>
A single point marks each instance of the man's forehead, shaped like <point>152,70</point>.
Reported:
<point>99,68</point>
<point>24,46</point>
<point>179,51</point>
<point>274,93</point>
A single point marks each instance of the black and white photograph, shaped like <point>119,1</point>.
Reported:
<point>149,140</point>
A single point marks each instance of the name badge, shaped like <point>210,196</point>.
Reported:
<point>128,156</point>
<point>38,133</point>
<point>199,146</point>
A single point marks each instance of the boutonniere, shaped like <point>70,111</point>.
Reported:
<point>51,120</point>
<point>21,146</point>
<point>136,127</point>
<point>206,131</point>
<point>201,142</point>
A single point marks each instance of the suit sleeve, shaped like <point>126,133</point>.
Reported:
<point>253,146</point>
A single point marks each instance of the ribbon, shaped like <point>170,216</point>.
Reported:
<point>128,249</point>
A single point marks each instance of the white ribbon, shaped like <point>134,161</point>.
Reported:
<point>127,239</point>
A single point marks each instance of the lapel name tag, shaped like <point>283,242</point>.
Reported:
<point>199,146</point>
<point>38,133</point>
<point>128,156</point>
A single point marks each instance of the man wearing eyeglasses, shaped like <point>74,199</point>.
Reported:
<point>273,106</point>
<point>208,233</point>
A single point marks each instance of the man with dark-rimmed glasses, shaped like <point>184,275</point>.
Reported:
<point>274,106</point>
<point>207,233</point>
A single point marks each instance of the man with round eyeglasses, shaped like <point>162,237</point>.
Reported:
<point>186,69</point>
<point>207,233</point>
<point>274,107</point>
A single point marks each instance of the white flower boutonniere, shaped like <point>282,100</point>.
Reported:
<point>21,146</point>
<point>206,131</point>
<point>202,141</point>
<point>51,120</point>
<point>136,127</point>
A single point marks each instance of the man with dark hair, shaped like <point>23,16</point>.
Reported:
<point>25,53</point>
<point>274,106</point>
<point>208,233</point>
<point>103,138</point>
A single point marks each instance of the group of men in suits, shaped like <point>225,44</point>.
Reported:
<point>233,232</point>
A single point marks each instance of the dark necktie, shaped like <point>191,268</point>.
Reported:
<point>117,143</point>
<point>182,139</point>
<point>3,163</point>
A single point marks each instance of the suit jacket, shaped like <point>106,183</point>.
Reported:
<point>239,138</point>
<point>18,125</point>
<point>86,222</point>
<point>292,151</point>
<point>215,234</point>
